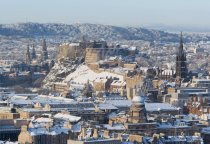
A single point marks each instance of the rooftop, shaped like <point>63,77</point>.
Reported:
<point>152,107</point>
<point>67,117</point>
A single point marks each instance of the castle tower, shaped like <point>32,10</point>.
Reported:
<point>28,56</point>
<point>33,54</point>
<point>137,110</point>
<point>44,51</point>
<point>181,61</point>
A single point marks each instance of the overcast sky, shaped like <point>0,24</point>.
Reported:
<point>111,12</point>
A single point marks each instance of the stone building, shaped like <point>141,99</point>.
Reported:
<point>141,128</point>
<point>198,82</point>
<point>137,110</point>
<point>62,88</point>
<point>133,81</point>
<point>42,136</point>
<point>166,74</point>
<point>71,51</point>
<point>27,113</point>
<point>96,51</point>
<point>102,84</point>
<point>118,86</point>
<point>198,105</point>
<point>8,113</point>
<point>92,55</point>
<point>179,96</point>
<point>10,129</point>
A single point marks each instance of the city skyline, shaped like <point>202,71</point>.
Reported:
<point>104,71</point>
<point>191,13</point>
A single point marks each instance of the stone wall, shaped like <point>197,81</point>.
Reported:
<point>92,55</point>
<point>70,51</point>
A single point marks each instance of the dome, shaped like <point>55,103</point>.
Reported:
<point>139,97</point>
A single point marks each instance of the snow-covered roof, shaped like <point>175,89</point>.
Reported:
<point>107,106</point>
<point>165,125</point>
<point>151,107</point>
<point>118,83</point>
<point>138,99</point>
<point>74,44</point>
<point>33,110</point>
<point>120,70</point>
<point>206,130</point>
<point>112,115</point>
<point>120,103</point>
<point>117,126</point>
<point>133,48</point>
<point>100,79</point>
<point>42,99</point>
<point>67,117</point>
<point>56,130</point>
<point>43,120</point>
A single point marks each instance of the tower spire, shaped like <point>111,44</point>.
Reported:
<point>28,56</point>
<point>44,50</point>
<point>181,38</point>
<point>181,63</point>
<point>181,43</point>
<point>33,54</point>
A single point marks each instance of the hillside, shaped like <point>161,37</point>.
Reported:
<point>90,31</point>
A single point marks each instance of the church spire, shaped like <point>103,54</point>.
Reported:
<point>181,38</point>
<point>181,63</point>
<point>181,43</point>
<point>44,50</point>
<point>27,56</point>
<point>33,54</point>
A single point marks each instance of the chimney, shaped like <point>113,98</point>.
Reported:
<point>111,122</point>
<point>106,134</point>
<point>47,107</point>
<point>24,128</point>
<point>95,133</point>
<point>83,133</point>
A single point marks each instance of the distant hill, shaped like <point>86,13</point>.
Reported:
<point>90,31</point>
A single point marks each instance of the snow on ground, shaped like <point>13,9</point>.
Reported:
<point>83,73</point>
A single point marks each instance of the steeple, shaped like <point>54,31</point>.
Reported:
<point>27,56</point>
<point>181,62</point>
<point>181,43</point>
<point>33,54</point>
<point>44,50</point>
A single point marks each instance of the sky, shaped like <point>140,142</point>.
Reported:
<point>109,12</point>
